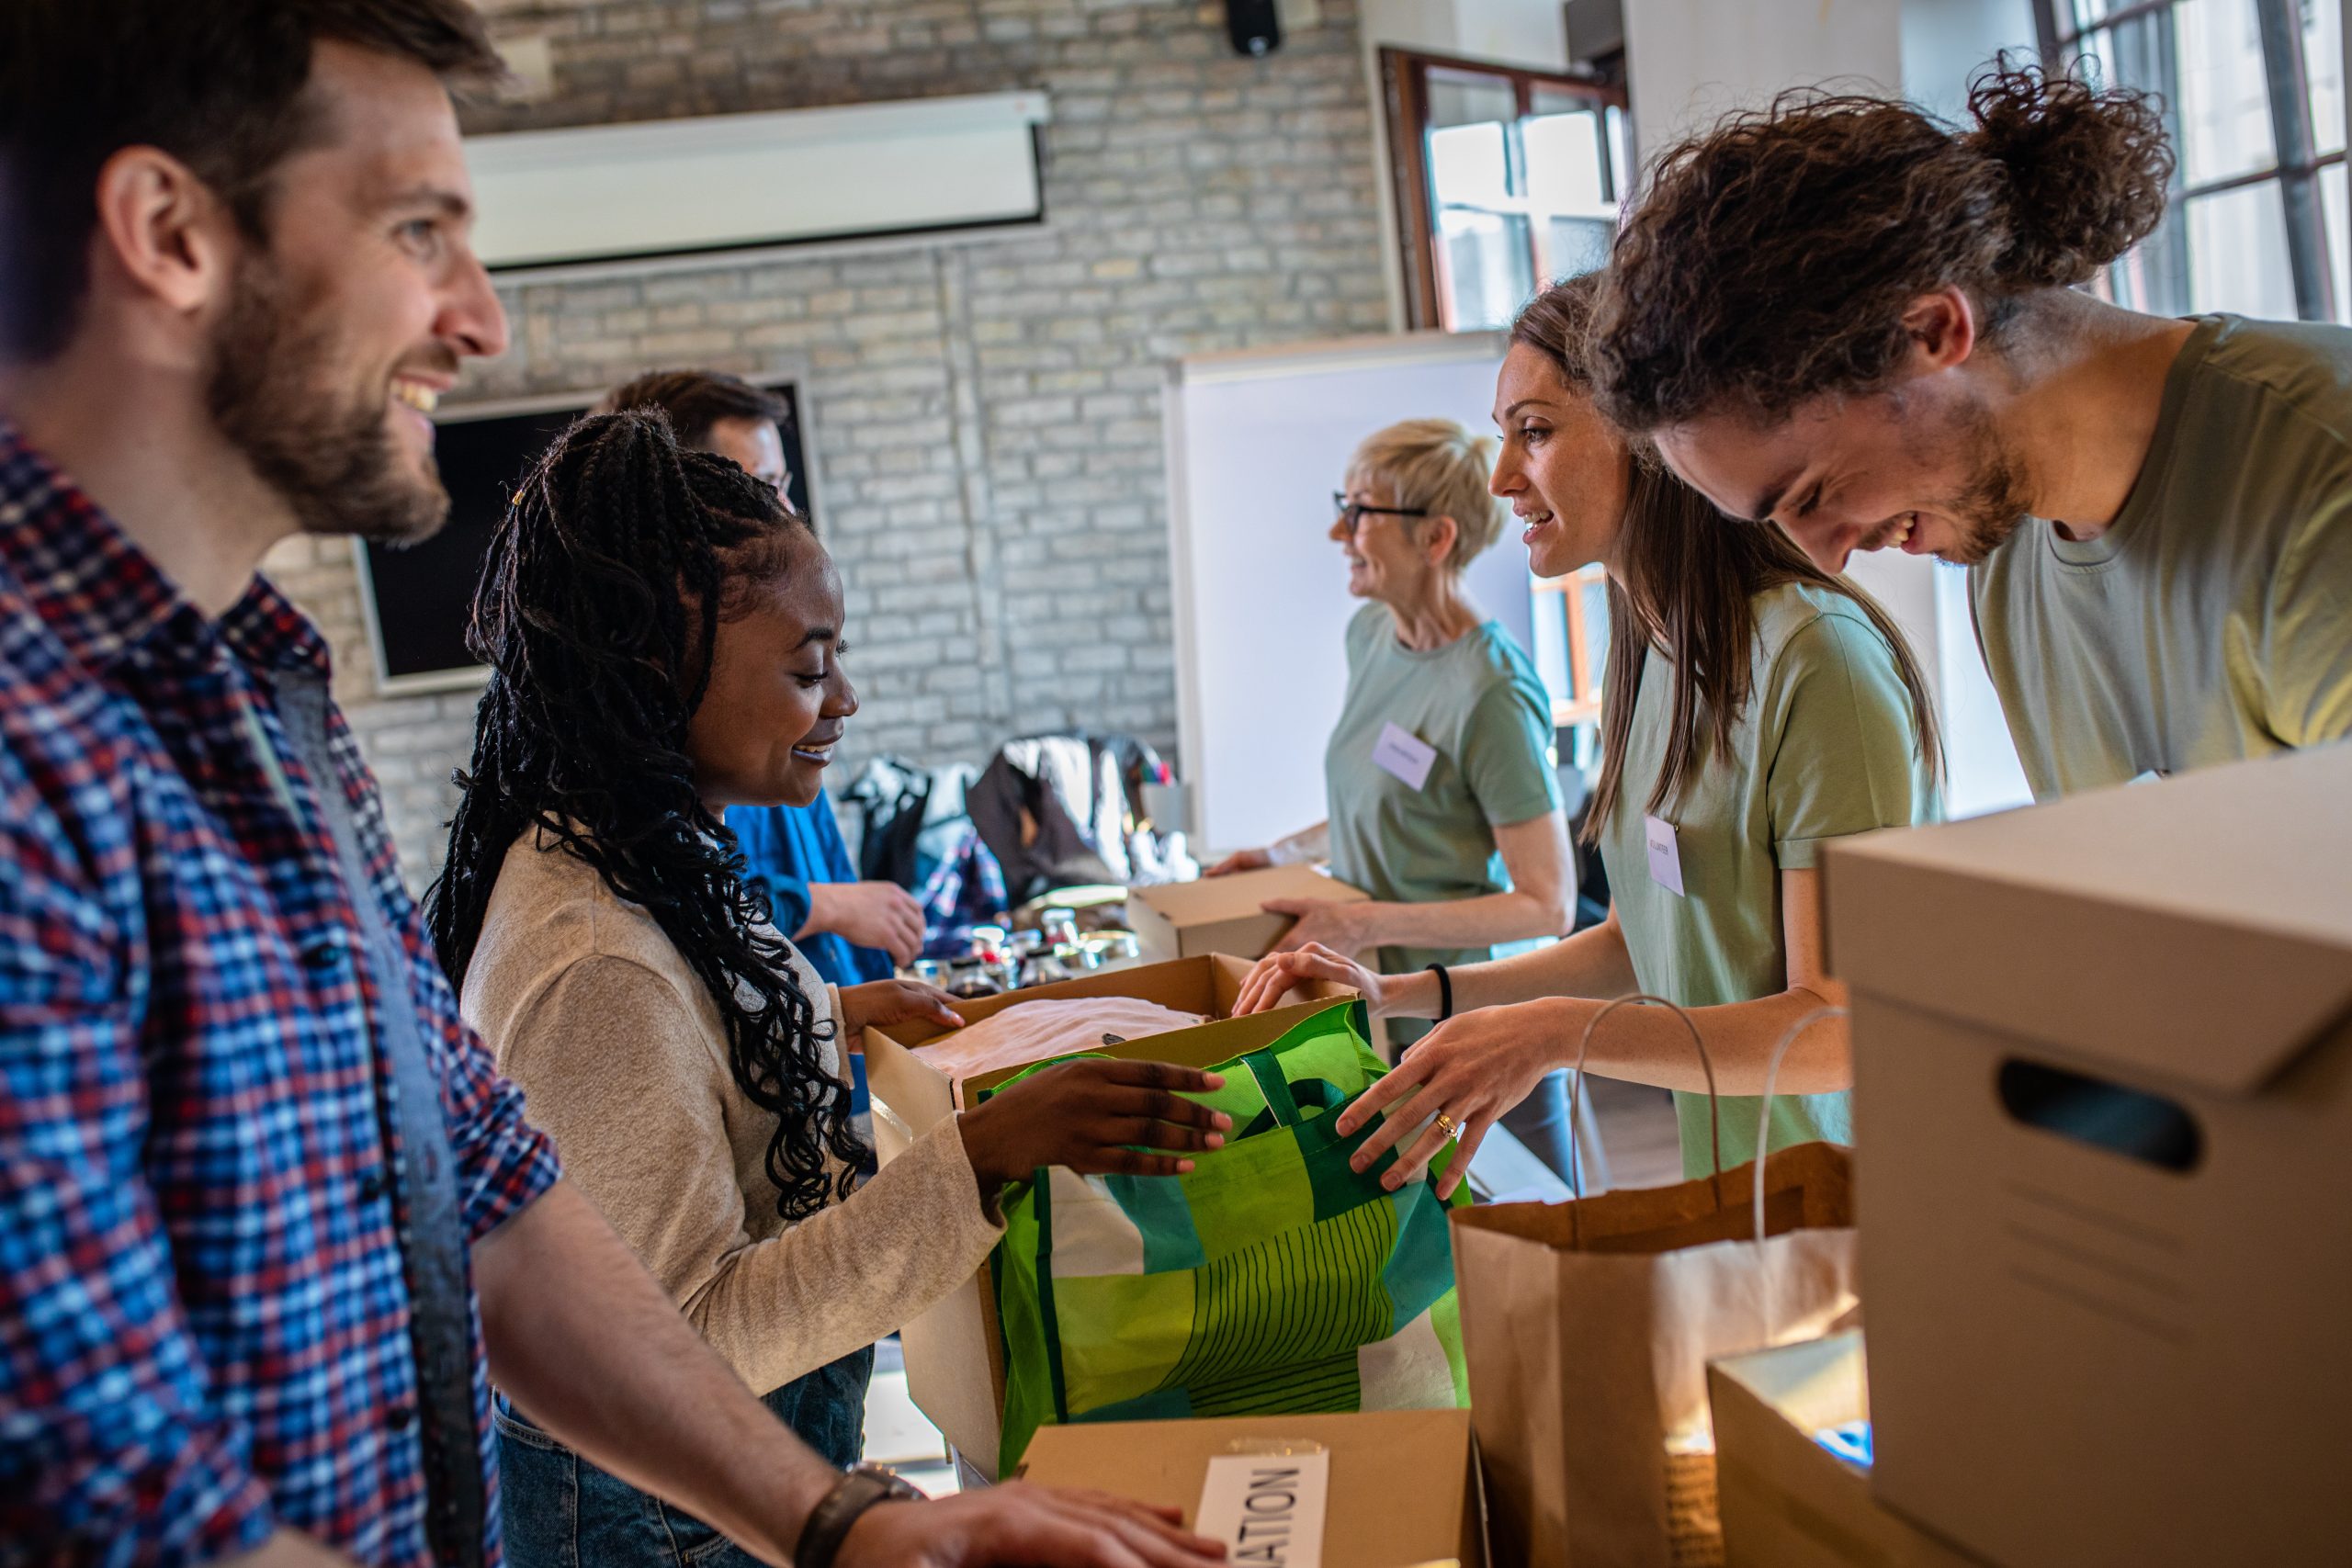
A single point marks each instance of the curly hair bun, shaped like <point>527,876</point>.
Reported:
<point>2087,171</point>
<point>1773,260</point>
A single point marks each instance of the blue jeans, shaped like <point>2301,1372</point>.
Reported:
<point>560,1511</point>
<point>1541,1121</point>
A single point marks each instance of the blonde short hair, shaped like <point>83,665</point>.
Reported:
<point>1436,465</point>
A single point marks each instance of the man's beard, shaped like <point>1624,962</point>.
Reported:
<point>327,450</point>
<point>1994,502</point>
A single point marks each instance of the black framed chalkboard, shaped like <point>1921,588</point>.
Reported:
<point>418,597</point>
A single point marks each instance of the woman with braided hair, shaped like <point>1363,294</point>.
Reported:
<point>664,641</point>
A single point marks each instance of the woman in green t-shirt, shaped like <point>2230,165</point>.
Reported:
<point>1754,706</point>
<point>1438,774</point>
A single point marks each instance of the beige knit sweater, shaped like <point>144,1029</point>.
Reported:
<point>622,1057</point>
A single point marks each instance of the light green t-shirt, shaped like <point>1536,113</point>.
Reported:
<point>1827,747</point>
<point>2214,621</point>
<point>1478,703</point>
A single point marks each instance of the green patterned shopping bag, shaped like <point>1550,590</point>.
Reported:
<point>1271,1280</point>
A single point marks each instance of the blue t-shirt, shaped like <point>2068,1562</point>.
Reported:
<point>788,847</point>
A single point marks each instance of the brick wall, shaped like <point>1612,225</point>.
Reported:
<point>983,414</point>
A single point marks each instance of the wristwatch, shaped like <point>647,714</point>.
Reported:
<point>829,1522</point>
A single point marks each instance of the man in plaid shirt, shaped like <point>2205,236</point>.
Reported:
<point>267,1214</point>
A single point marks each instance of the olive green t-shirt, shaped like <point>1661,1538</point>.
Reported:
<point>2213,620</point>
<point>1827,747</point>
<point>1478,703</point>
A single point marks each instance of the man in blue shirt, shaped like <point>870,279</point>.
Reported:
<point>852,931</point>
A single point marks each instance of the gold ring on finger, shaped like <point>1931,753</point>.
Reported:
<point>1452,1128</point>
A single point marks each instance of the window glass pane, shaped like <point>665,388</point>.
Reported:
<point>1619,163</point>
<point>1543,99</point>
<point>1464,97</point>
<point>2154,277</point>
<point>1573,245</point>
<point>1552,647</point>
<point>1564,167</point>
<point>1486,272</point>
<point>2203,60</point>
<point>2324,62</point>
<point>1566,191</point>
<point>2091,13</point>
<point>1470,164</point>
<point>2237,253</point>
<point>2339,242</point>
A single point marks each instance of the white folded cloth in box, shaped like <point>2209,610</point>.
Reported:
<point>1040,1031</point>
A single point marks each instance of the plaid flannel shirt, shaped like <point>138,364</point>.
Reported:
<point>204,1321</point>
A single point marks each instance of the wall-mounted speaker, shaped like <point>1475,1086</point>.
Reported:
<point>1254,26</point>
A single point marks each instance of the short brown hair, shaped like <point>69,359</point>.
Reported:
<point>217,83</point>
<point>1439,466</point>
<point>694,400</point>
<point>1773,260</point>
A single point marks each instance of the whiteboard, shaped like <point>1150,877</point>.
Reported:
<point>1257,442</point>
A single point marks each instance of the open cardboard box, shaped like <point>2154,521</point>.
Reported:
<point>1405,1489</point>
<point>1787,1501</point>
<point>1221,914</point>
<point>954,1354</point>
<point>2103,1079</point>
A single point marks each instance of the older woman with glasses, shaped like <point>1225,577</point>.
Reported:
<point>1443,803</point>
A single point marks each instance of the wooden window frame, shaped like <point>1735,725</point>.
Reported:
<point>1584,681</point>
<point>1405,75</point>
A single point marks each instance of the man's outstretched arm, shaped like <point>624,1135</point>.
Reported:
<point>582,1339</point>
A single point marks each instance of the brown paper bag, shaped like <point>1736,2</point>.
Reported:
<point>1587,1326</point>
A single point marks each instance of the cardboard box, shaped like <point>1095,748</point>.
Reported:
<point>1404,1488</point>
<point>2103,1082</point>
<point>1786,1501</point>
<point>1221,914</point>
<point>954,1354</point>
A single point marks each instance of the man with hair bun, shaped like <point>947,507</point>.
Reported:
<point>1847,318</point>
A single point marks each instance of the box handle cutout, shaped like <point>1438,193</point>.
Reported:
<point>2128,1122</point>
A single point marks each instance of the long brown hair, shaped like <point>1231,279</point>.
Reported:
<point>1686,579</point>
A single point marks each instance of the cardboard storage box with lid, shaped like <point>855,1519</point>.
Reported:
<point>2103,1094</point>
<point>1222,914</point>
<point>1403,1485</point>
<point>955,1355</point>
<point>1787,1501</point>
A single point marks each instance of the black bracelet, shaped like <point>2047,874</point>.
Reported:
<point>829,1521</point>
<point>1444,992</point>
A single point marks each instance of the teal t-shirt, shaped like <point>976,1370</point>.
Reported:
<point>1827,747</point>
<point>1478,703</point>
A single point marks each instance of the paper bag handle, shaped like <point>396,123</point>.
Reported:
<point>1764,1113</point>
<point>1706,1063</point>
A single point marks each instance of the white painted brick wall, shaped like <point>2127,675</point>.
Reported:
<point>984,416</point>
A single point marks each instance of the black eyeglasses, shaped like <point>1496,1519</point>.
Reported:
<point>1355,511</point>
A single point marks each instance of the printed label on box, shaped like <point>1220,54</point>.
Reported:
<point>1267,1508</point>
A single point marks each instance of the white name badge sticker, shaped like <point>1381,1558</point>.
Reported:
<point>1404,756</point>
<point>1267,1508</point>
<point>1666,856</point>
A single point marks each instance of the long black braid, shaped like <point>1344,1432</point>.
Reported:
<point>598,612</point>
